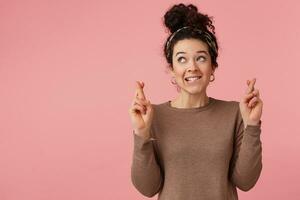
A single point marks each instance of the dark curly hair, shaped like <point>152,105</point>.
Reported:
<point>179,16</point>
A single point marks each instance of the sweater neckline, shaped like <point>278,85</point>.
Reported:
<point>197,109</point>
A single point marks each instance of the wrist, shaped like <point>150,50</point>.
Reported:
<point>252,123</point>
<point>144,135</point>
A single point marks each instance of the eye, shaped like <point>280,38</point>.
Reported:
<point>180,59</point>
<point>201,57</point>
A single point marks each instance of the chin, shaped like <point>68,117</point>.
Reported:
<point>194,90</point>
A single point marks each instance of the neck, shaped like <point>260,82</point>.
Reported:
<point>190,100</point>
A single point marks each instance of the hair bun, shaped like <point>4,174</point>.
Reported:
<point>181,15</point>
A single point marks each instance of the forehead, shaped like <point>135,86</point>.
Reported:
<point>190,46</point>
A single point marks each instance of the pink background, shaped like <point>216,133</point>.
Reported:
<point>67,79</point>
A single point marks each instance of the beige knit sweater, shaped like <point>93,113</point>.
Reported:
<point>197,153</point>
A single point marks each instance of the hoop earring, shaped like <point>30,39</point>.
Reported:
<point>173,80</point>
<point>213,78</point>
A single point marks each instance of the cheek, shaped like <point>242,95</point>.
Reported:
<point>207,71</point>
<point>179,73</point>
<point>207,74</point>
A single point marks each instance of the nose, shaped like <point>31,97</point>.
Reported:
<point>192,66</point>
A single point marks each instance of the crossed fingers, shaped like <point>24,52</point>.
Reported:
<point>251,95</point>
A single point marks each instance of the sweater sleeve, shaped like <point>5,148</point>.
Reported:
<point>146,174</point>
<point>246,162</point>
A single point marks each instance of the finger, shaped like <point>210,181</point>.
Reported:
<point>141,102</point>
<point>140,92</point>
<point>257,93</point>
<point>136,92</point>
<point>138,108</point>
<point>251,86</point>
<point>252,102</point>
<point>247,97</point>
<point>255,101</point>
<point>144,102</point>
<point>254,93</point>
<point>135,108</point>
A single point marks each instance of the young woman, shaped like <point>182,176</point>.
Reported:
<point>195,147</point>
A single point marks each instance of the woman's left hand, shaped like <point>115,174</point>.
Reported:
<point>251,105</point>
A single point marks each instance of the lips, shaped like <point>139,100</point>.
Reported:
<point>192,78</point>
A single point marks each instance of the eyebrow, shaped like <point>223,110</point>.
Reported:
<point>201,51</point>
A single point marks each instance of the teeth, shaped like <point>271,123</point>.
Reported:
<point>192,78</point>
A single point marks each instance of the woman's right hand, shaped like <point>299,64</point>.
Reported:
<point>141,112</point>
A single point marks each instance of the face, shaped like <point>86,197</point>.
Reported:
<point>191,58</point>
